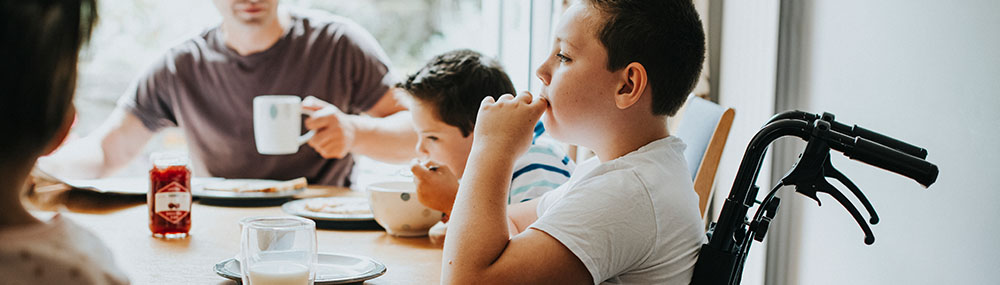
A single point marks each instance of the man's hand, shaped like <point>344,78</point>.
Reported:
<point>508,123</point>
<point>111,146</point>
<point>436,186</point>
<point>335,130</point>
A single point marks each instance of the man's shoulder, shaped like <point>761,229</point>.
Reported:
<point>192,47</point>
<point>312,19</point>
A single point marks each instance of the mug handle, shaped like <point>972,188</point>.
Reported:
<point>304,138</point>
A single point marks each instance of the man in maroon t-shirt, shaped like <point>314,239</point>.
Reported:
<point>206,86</point>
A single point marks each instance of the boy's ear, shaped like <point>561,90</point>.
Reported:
<point>633,84</point>
<point>63,132</point>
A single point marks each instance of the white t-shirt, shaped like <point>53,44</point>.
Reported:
<point>632,220</point>
<point>56,252</point>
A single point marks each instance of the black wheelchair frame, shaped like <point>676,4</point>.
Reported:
<point>721,260</point>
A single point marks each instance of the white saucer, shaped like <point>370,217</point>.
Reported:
<point>331,268</point>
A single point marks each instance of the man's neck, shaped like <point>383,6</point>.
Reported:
<point>247,39</point>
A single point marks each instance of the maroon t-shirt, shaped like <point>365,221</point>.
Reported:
<point>207,89</point>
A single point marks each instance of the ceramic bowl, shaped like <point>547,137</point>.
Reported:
<point>397,209</point>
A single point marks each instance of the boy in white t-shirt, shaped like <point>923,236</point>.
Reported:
<point>630,215</point>
<point>38,57</point>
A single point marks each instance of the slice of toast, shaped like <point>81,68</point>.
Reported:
<point>339,205</point>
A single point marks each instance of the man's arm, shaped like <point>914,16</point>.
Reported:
<point>387,105</point>
<point>479,248</point>
<point>108,148</point>
<point>386,134</point>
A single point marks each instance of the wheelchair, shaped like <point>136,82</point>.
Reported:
<point>721,260</point>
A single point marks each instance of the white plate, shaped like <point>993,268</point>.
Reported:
<point>331,268</point>
<point>140,185</point>
<point>199,191</point>
<point>298,208</point>
<point>127,185</point>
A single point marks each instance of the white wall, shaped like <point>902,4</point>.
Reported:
<point>927,72</point>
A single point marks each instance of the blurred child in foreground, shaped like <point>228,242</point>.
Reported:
<point>41,41</point>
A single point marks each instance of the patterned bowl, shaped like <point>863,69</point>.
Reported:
<point>397,209</point>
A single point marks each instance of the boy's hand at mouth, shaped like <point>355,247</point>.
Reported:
<point>508,123</point>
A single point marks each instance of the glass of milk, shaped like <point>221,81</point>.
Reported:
<point>278,250</point>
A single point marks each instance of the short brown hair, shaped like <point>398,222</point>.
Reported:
<point>665,36</point>
<point>455,83</point>
<point>38,57</point>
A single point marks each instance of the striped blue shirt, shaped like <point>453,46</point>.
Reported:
<point>543,168</point>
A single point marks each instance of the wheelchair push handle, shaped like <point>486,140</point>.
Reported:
<point>889,159</point>
<point>854,131</point>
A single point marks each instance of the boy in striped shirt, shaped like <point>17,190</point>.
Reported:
<point>444,97</point>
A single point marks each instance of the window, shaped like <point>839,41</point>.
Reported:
<point>131,34</point>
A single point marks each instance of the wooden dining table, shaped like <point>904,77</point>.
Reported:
<point>121,221</point>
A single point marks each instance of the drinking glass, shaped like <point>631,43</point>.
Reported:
<point>278,250</point>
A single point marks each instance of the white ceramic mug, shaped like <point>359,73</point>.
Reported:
<point>277,123</point>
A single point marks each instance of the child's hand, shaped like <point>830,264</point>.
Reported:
<point>508,123</point>
<point>436,186</point>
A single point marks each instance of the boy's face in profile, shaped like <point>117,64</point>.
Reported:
<point>437,141</point>
<point>577,83</point>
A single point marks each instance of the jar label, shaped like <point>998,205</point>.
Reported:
<point>173,202</point>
